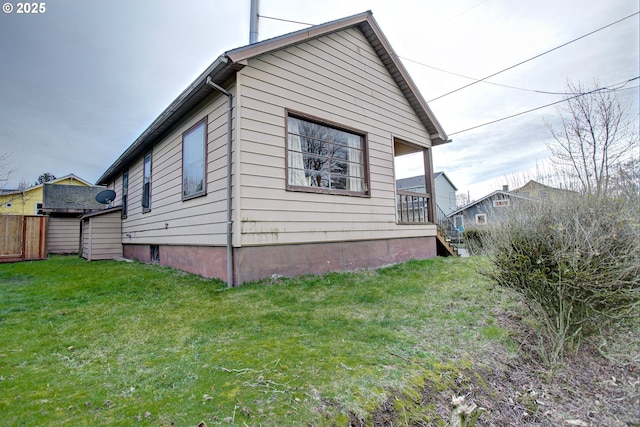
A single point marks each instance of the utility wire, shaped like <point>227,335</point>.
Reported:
<point>483,81</point>
<point>456,17</point>
<point>311,25</point>
<point>534,57</point>
<point>286,20</point>
<point>549,105</point>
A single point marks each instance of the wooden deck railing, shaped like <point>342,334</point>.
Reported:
<point>447,227</point>
<point>412,207</point>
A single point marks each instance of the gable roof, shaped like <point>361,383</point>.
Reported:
<point>444,175</point>
<point>70,198</point>
<point>232,61</point>
<point>418,181</point>
<point>410,182</point>
<point>536,186</point>
<point>53,181</point>
<point>69,177</point>
<point>488,196</point>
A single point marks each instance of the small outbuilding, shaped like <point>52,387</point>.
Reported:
<point>100,235</point>
<point>65,204</point>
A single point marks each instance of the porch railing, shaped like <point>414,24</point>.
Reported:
<point>412,207</point>
<point>446,226</point>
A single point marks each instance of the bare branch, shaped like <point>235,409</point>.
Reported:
<point>594,137</point>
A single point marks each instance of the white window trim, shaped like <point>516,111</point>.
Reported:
<point>146,204</point>
<point>458,221</point>
<point>481,215</point>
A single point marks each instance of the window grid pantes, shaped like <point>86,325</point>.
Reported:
<point>321,157</point>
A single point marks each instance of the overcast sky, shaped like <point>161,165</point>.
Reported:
<point>81,81</point>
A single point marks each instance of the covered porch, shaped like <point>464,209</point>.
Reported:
<point>419,206</point>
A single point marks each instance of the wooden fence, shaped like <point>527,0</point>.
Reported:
<point>23,238</point>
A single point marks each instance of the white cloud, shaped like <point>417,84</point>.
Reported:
<point>82,81</point>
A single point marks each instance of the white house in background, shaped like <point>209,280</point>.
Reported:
<point>279,159</point>
<point>444,189</point>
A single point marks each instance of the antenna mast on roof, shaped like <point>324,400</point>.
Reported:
<point>253,22</point>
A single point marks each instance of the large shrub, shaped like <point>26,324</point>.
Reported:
<point>576,262</point>
<point>473,238</point>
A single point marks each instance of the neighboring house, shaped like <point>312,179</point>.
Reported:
<point>536,191</point>
<point>30,200</point>
<point>65,204</point>
<point>486,210</point>
<point>445,191</point>
<point>279,160</point>
<point>45,218</point>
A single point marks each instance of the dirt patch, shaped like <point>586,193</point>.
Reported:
<point>519,390</point>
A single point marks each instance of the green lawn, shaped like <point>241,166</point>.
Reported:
<point>105,342</point>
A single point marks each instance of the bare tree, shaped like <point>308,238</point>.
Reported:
<point>23,185</point>
<point>462,199</point>
<point>593,139</point>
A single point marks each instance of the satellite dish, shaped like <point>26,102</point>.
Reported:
<point>106,197</point>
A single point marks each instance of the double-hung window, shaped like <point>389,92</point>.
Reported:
<point>326,159</point>
<point>194,160</point>
<point>146,183</point>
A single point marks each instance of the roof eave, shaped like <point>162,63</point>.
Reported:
<point>220,71</point>
<point>251,51</point>
<point>234,60</point>
<point>385,52</point>
<point>371,30</point>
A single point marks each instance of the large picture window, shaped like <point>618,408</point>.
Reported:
<point>324,158</point>
<point>146,183</point>
<point>194,142</point>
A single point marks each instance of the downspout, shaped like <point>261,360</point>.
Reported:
<point>229,163</point>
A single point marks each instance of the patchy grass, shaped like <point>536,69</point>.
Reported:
<point>97,343</point>
<point>120,343</point>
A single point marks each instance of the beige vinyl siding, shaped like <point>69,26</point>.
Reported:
<point>101,236</point>
<point>172,221</point>
<point>116,185</point>
<point>339,79</point>
<point>85,235</point>
<point>63,235</point>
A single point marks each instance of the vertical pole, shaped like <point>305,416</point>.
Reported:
<point>253,22</point>
<point>429,185</point>
<point>229,192</point>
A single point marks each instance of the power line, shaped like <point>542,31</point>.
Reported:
<point>286,20</point>
<point>553,103</point>
<point>483,81</point>
<point>441,25</point>
<point>534,57</point>
<point>457,16</point>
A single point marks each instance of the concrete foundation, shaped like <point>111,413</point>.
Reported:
<point>257,262</point>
